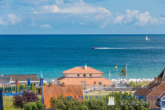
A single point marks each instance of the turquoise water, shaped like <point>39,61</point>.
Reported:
<point>52,54</point>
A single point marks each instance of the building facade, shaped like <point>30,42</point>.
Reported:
<point>22,79</point>
<point>85,76</point>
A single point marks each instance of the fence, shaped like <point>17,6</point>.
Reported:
<point>111,88</point>
<point>9,89</point>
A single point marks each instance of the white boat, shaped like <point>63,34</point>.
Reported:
<point>147,38</point>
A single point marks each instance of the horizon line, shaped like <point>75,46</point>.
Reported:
<point>82,34</point>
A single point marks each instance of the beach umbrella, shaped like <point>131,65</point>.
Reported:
<point>16,83</point>
<point>41,81</point>
<point>28,80</point>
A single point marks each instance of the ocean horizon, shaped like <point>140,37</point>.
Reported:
<point>52,54</point>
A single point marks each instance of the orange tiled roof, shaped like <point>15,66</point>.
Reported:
<point>89,81</point>
<point>57,90</point>
<point>82,70</point>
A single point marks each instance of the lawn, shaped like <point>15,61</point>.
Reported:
<point>8,103</point>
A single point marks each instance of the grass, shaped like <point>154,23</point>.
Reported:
<point>142,84</point>
<point>8,103</point>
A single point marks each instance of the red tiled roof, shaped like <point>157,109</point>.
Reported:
<point>57,90</point>
<point>89,81</point>
<point>82,70</point>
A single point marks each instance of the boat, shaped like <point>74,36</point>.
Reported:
<point>147,38</point>
<point>95,47</point>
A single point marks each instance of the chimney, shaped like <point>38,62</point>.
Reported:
<point>85,67</point>
<point>63,84</point>
<point>50,84</point>
<point>157,79</point>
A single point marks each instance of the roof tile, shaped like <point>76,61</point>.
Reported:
<point>57,90</point>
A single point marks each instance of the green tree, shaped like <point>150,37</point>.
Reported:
<point>123,73</point>
<point>132,83</point>
<point>126,101</point>
<point>62,103</point>
<point>40,105</point>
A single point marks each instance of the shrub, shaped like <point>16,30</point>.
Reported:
<point>18,102</point>
<point>62,103</point>
<point>40,105</point>
<point>34,106</point>
<point>31,106</point>
<point>132,83</point>
<point>21,101</point>
<point>29,97</point>
<point>127,103</point>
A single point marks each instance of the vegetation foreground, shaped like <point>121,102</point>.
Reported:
<point>61,103</point>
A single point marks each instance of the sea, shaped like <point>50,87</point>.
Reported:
<point>52,54</point>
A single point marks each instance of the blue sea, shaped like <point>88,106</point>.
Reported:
<point>52,54</point>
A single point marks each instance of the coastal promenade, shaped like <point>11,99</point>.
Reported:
<point>131,79</point>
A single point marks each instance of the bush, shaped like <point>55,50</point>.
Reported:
<point>62,103</point>
<point>34,106</point>
<point>132,83</point>
<point>21,101</point>
<point>40,105</point>
<point>18,102</point>
<point>126,101</point>
<point>31,106</point>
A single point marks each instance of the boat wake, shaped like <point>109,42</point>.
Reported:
<point>131,48</point>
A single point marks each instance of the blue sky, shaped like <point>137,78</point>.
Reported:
<point>82,17</point>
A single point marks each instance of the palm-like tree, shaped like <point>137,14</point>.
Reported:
<point>123,72</point>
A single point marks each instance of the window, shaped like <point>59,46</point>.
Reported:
<point>84,75</point>
<point>90,75</point>
<point>163,103</point>
<point>78,75</point>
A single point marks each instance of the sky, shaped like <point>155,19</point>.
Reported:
<point>82,17</point>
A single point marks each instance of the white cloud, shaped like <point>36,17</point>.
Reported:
<point>13,18</point>
<point>144,18</point>
<point>119,19</point>
<point>2,22</point>
<point>100,16</point>
<point>136,18</point>
<point>130,15</point>
<point>78,7</point>
<point>46,26</point>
